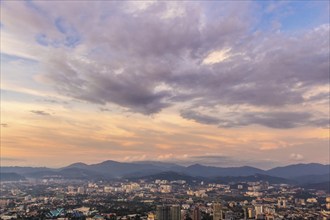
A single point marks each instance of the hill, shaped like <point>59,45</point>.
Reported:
<point>319,186</point>
<point>297,170</point>
<point>207,171</point>
<point>300,173</point>
<point>11,177</point>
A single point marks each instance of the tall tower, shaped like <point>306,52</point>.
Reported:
<point>217,211</point>
<point>327,203</point>
<point>245,212</point>
<point>163,212</point>
<point>281,203</point>
<point>197,214</point>
<point>259,209</point>
<point>175,212</point>
<point>251,212</point>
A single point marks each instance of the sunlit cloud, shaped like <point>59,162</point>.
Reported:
<point>296,156</point>
<point>217,56</point>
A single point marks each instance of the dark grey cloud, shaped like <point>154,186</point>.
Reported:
<point>275,119</point>
<point>199,117</point>
<point>148,50</point>
<point>146,58</point>
<point>272,119</point>
<point>41,113</point>
<point>279,120</point>
<point>323,122</point>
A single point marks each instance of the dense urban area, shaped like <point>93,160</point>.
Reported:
<point>162,199</point>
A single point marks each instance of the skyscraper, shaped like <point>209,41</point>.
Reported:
<point>217,211</point>
<point>281,203</point>
<point>163,212</point>
<point>196,214</point>
<point>175,212</point>
<point>328,203</point>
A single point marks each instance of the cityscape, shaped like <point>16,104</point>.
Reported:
<point>164,110</point>
<point>164,195</point>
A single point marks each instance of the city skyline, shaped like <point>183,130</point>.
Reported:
<point>218,83</point>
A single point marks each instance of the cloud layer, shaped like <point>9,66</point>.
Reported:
<point>209,61</point>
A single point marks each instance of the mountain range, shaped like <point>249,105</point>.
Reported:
<point>312,173</point>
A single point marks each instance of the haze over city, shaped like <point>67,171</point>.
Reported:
<point>225,83</point>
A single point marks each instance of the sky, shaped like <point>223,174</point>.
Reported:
<point>221,83</point>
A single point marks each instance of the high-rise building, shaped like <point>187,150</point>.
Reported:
<point>281,203</point>
<point>184,213</point>
<point>217,211</point>
<point>259,209</point>
<point>163,212</point>
<point>175,212</point>
<point>328,203</point>
<point>197,214</point>
<point>151,216</point>
<point>250,212</point>
<point>165,188</point>
<point>71,189</point>
<point>81,190</point>
<point>245,212</point>
<point>270,217</point>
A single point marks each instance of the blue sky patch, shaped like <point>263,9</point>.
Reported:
<point>8,58</point>
<point>42,39</point>
<point>72,37</point>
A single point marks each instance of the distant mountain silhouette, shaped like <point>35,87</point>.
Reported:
<point>119,169</point>
<point>23,170</point>
<point>319,186</point>
<point>252,178</point>
<point>311,179</point>
<point>207,171</point>
<point>66,173</point>
<point>78,173</point>
<point>11,177</point>
<point>297,170</point>
<point>164,165</point>
<point>41,174</point>
<point>78,165</point>
<point>299,173</point>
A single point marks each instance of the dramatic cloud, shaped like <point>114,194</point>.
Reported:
<point>165,79</point>
<point>148,57</point>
